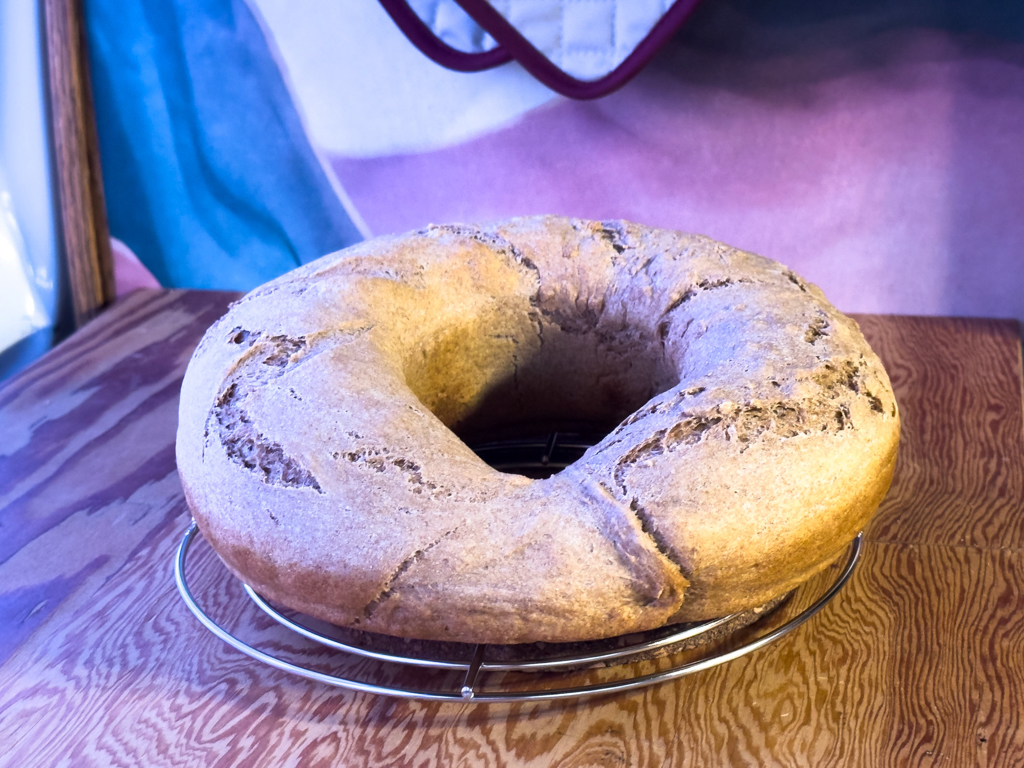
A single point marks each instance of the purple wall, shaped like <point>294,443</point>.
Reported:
<point>880,156</point>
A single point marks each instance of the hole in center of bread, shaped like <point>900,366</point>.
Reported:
<point>536,456</point>
<point>523,377</point>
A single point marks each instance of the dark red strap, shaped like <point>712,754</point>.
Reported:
<point>554,78</point>
<point>434,48</point>
<point>511,44</point>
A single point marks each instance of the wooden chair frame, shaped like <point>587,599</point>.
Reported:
<point>83,235</point>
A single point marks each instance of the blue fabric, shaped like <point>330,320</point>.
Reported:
<point>208,173</point>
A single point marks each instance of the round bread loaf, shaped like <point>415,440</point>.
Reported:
<point>325,424</point>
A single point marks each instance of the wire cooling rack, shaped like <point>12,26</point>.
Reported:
<point>527,456</point>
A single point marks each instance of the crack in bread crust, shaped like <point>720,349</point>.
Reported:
<point>249,448</point>
<point>658,577</point>
<point>391,585</point>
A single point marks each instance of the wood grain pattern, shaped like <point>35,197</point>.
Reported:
<point>84,235</point>
<point>958,383</point>
<point>919,661</point>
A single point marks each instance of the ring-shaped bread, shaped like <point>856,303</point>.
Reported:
<point>319,441</point>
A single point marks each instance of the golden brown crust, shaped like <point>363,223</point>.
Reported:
<point>317,434</point>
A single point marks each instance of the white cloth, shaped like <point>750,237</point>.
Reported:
<point>584,38</point>
<point>28,251</point>
<point>22,312</point>
<point>365,91</point>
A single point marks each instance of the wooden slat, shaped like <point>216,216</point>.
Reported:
<point>960,475</point>
<point>919,661</point>
<point>92,424</point>
<point>84,236</point>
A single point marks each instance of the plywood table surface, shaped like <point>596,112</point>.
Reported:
<point>918,661</point>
